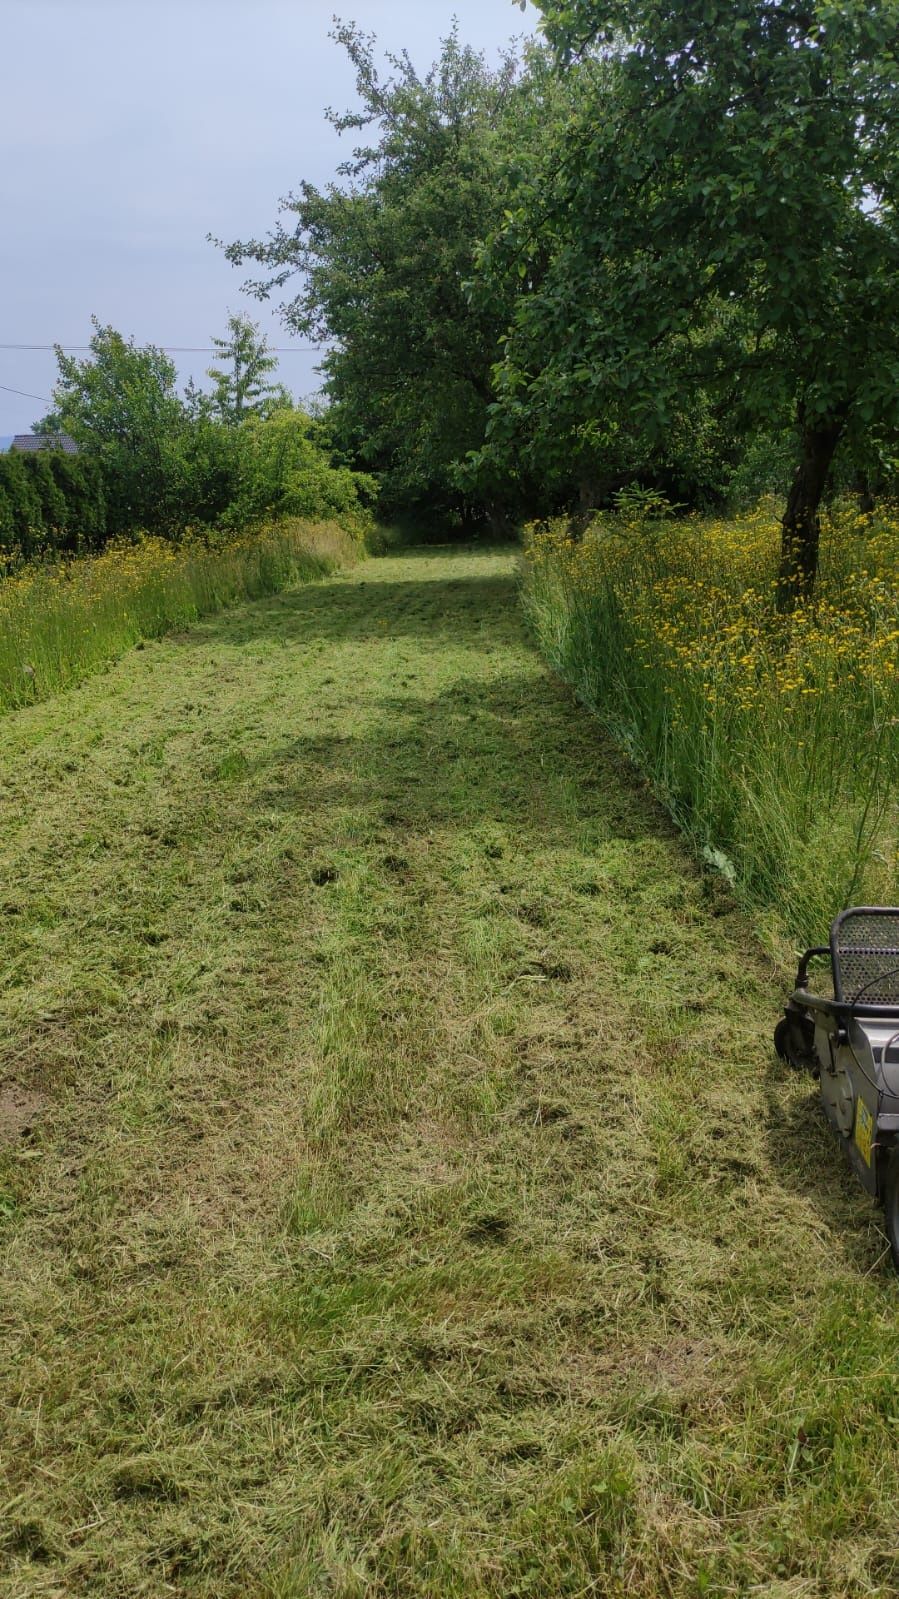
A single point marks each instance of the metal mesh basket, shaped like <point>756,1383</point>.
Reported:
<point>865,948</point>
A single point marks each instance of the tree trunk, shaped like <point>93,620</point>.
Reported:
<point>801,526</point>
<point>500,523</point>
<point>866,500</point>
<point>579,518</point>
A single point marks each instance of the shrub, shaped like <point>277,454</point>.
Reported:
<point>282,471</point>
<point>215,475</point>
<point>50,503</point>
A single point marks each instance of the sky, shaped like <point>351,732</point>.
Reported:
<point>131,129</point>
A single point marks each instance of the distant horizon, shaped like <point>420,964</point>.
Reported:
<point>87,79</point>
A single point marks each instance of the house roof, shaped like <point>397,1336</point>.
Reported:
<point>44,441</point>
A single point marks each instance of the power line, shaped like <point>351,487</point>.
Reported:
<point>24,393</point>
<point>170,349</point>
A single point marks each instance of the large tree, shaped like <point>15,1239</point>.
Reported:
<point>721,212</point>
<point>377,264</point>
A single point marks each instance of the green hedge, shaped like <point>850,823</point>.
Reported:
<point>212,475</point>
<point>50,502</point>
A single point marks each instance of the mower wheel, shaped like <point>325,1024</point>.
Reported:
<point>782,1039</point>
<point>891,1202</point>
<point>794,1040</point>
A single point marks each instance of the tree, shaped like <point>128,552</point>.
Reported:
<point>721,215</point>
<point>241,388</point>
<point>383,259</point>
<point>565,433</point>
<point>122,407</point>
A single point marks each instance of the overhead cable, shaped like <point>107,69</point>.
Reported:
<point>24,393</point>
<point>170,349</point>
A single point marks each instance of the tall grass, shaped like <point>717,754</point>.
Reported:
<point>774,742</point>
<point>59,623</point>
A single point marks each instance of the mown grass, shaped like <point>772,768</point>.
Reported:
<point>60,622</point>
<point>401,1196</point>
<point>773,741</point>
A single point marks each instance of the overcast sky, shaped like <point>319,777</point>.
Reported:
<point>129,129</point>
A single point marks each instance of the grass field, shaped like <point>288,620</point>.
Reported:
<point>400,1195</point>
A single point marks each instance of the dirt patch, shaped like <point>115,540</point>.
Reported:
<point>20,1111</point>
<point>323,875</point>
<point>541,1113</point>
<point>397,864</point>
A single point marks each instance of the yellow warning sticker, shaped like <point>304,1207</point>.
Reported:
<point>864,1131</point>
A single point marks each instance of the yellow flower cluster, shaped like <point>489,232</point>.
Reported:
<point>59,622</point>
<point>773,739</point>
<point>696,597</point>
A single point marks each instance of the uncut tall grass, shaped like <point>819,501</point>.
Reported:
<point>773,741</point>
<point>58,623</point>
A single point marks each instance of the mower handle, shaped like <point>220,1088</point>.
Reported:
<point>802,999</point>
<point>802,974</point>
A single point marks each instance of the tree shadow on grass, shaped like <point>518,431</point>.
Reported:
<point>470,609</point>
<point>519,756</point>
<point>480,750</point>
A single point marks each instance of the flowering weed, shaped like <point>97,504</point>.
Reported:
<point>59,623</point>
<point>774,741</point>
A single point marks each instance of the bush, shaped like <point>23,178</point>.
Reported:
<point>79,481</point>
<point>215,475</point>
<point>207,470</point>
<point>50,503</point>
<point>282,471</point>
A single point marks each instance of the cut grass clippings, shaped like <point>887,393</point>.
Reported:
<point>401,1197</point>
<point>60,622</point>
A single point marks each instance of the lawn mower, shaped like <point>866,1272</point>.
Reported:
<point>849,1041</point>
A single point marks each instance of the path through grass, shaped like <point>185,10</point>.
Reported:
<point>400,1197</point>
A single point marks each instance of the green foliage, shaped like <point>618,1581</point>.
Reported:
<point>148,462</point>
<point>749,727</point>
<point>79,481</point>
<point>20,510</point>
<point>645,504</point>
<point>660,248</point>
<point>719,216</point>
<point>207,470</point>
<point>241,386</point>
<point>384,259</point>
<point>50,501</point>
<point>763,467</point>
<point>122,407</point>
<point>279,470</point>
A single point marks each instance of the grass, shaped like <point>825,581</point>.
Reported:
<point>774,743</point>
<point>401,1197</point>
<point>59,623</point>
